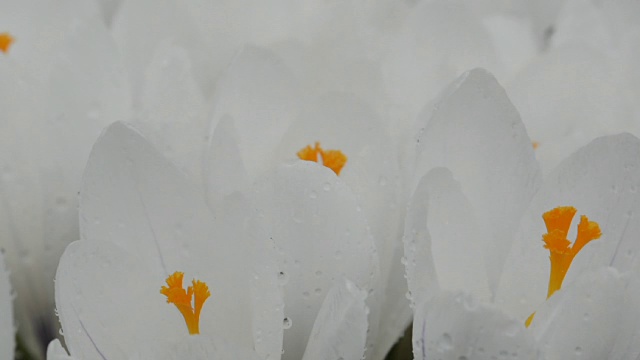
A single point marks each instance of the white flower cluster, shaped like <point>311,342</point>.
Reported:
<point>327,172</point>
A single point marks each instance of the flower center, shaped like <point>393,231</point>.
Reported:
<point>333,159</point>
<point>561,251</point>
<point>181,298</point>
<point>5,41</point>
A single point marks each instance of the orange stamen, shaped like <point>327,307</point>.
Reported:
<point>181,298</point>
<point>5,41</point>
<point>333,159</point>
<point>561,251</point>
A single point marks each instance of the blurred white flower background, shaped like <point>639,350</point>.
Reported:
<point>336,176</point>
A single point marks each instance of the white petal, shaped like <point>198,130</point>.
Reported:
<point>340,330</point>
<point>457,241</point>
<point>476,132</point>
<point>595,318</point>
<point>200,347</point>
<point>7,333</point>
<point>225,170</point>
<point>164,20</point>
<point>420,63</point>
<point>418,256</point>
<point>146,207</point>
<point>566,98</point>
<point>455,326</point>
<point>172,113</point>
<point>261,95</point>
<point>321,236</point>
<point>108,301</point>
<point>344,122</point>
<point>55,351</point>
<point>601,181</point>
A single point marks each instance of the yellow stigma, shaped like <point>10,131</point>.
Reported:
<point>333,159</point>
<point>181,298</point>
<point>5,41</point>
<point>561,251</point>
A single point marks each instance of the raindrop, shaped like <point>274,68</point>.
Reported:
<point>445,342</point>
<point>286,323</point>
<point>578,350</point>
<point>338,254</point>
<point>306,294</point>
<point>318,273</point>
<point>283,277</point>
<point>462,357</point>
<point>318,291</point>
<point>326,186</point>
<point>313,194</point>
<point>382,181</point>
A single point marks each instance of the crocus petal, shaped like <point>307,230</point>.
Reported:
<point>99,287</point>
<point>418,257</point>
<point>340,330</point>
<point>563,109</point>
<point>148,208</point>
<point>224,166</point>
<point>594,318</point>
<point>7,336</point>
<point>172,113</point>
<point>457,241</point>
<point>600,181</point>
<point>343,121</point>
<point>55,351</point>
<point>261,95</point>
<point>420,63</point>
<point>201,347</point>
<point>475,130</point>
<point>164,19</point>
<point>321,235</point>
<point>455,326</point>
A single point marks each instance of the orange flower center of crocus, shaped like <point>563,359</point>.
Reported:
<point>561,251</point>
<point>189,302</point>
<point>5,41</point>
<point>333,159</point>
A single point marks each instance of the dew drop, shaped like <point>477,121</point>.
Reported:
<point>326,186</point>
<point>445,342</point>
<point>286,323</point>
<point>317,291</point>
<point>283,277</point>
<point>318,273</point>
<point>578,350</point>
<point>313,195</point>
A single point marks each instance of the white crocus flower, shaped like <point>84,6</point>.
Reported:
<point>476,265</point>
<point>7,332</point>
<point>277,269</point>
<point>61,84</point>
<point>264,115</point>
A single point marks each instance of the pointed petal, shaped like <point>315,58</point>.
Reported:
<point>345,122</point>
<point>457,241</point>
<point>108,302</point>
<point>476,130</point>
<point>148,208</point>
<point>594,318</point>
<point>455,326</point>
<point>261,95</point>
<point>601,181</point>
<point>564,110</point>
<point>418,259</point>
<point>225,172</point>
<point>340,330</point>
<point>321,236</point>
<point>172,113</point>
